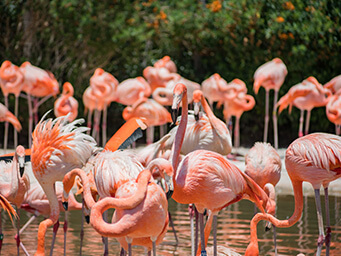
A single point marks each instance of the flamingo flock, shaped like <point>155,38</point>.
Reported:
<point>193,159</point>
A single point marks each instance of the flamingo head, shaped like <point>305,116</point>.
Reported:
<point>197,94</point>
<point>178,93</point>
<point>20,155</point>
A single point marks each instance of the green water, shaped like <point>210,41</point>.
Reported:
<point>233,232</point>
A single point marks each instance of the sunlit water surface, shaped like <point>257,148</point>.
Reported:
<point>233,232</point>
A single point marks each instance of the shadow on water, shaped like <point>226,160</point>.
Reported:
<point>233,232</point>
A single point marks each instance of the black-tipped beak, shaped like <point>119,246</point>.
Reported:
<point>169,194</point>
<point>196,116</point>
<point>21,161</point>
<point>65,205</point>
<point>21,170</point>
<point>174,115</point>
<point>87,219</point>
<point>267,228</point>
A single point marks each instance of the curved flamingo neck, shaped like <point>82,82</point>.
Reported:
<point>298,193</point>
<point>180,133</point>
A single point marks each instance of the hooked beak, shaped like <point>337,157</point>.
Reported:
<point>65,205</point>
<point>21,161</point>
<point>87,219</point>
<point>174,114</point>
<point>196,107</point>
<point>175,106</point>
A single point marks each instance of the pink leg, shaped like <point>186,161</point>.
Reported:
<point>89,122</point>
<point>30,120</point>
<point>300,128</point>
<point>65,226</point>
<point>307,122</point>
<point>16,110</point>
<point>6,126</point>
<point>104,126</point>
<point>266,120</point>
<point>55,229</point>
<point>150,135</point>
<point>236,133</point>
<point>274,119</point>
<point>319,219</point>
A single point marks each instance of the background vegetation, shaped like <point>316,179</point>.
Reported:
<point>72,38</point>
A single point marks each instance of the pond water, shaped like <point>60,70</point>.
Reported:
<point>233,232</point>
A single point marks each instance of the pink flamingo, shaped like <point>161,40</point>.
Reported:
<point>66,103</point>
<point>103,86</point>
<point>158,76</point>
<point>154,113</point>
<point>205,178</point>
<point>58,147</point>
<point>319,167</point>
<point>270,75</point>
<point>37,83</point>
<point>15,182</point>
<point>237,105</point>
<point>11,81</point>
<point>7,116</point>
<point>263,165</point>
<point>333,111</point>
<point>167,63</point>
<point>334,85</point>
<point>305,96</point>
<point>215,88</point>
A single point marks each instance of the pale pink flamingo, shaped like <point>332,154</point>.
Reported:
<point>167,63</point>
<point>313,158</point>
<point>334,85</point>
<point>333,111</point>
<point>66,103</point>
<point>270,75</point>
<point>103,85</point>
<point>37,83</point>
<point>154,113</point>
<point>205,178</point>
<point>15,182</point>
<point>158,76</point>
<point>11,81</point>
<point>58,147</point>
<point>215,88</point>
<point>264,165</point>
<point>131,90</point>
<point>236,106</point>
<point>305,96</point>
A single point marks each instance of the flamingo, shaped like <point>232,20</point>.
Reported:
<point>15,182</point>
<point>313,158</point>
<point>237,106</point>
<point>103,86</point>
<point>270,75</point>
<point>208,132</point>
<point>7,116</point>
<point>154,113</point>
<point>305,96</point>
<point>37,83</point>
<point>263,165</point>
<point>205,178</point>
<point>66,103</point>
<point>58,147</point>
<point>333,111</point>
<point>158,76</point>
<point>334,85</point>
<point>166,62</point>
<point>11,81</point>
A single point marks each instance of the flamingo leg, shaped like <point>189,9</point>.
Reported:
<point>236,133</point>
<point>196,229</point>
<point>18,232</point>
<point>65,226</point>
<point>105,239</point>
<point>35,110</point>
<point>82,229</point>
<point>275,239</point>
<point>55,229</point>
<point>16,110</point>
<point>266,120</point>
<point>300,128</point>
<point>1,234</point>
<point>307,122</point>
<point>215,221</point>
<point>123,252</point>
<point>274,119</point>
<point>89,121</point>
<point>129,241</point>
<point>96,124</point>
<point>328,231</point>
<point>150,135</point>
<point>202,234</point>
<point>104,125</point>
<point>320,220</point>
<point>154,246</point>
<point>6,126</point>
<point>191,215</point>
<point>171,223</point>
<point>30,120</point>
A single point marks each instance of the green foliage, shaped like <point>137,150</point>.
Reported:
<point>72,38</point>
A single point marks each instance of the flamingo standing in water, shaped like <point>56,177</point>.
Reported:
<point>66,103</point>
<point>305,96</point>
<point>154,113</point>
<point>11,81</point>
<point>333,111</point>
<point>206,178</point>
<point>313,158</point>
<point>103,85</point>
<point>270,75</point>
<point>37,83</point>
<point>263,165</point>
<point>15,183</point>
<point>58,147</point>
